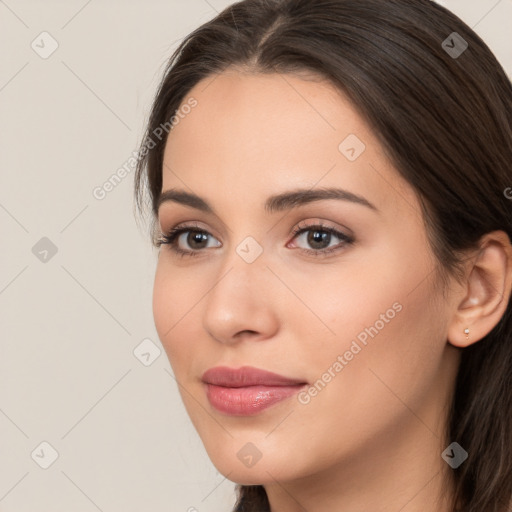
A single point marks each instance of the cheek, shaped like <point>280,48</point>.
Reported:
<point>391,346</point>
<point>381,315</point>
<point>173,301</point>
<point>163,298</point>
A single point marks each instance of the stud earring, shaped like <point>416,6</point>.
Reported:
<point>467,333</point>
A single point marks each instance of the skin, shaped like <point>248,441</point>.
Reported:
<point>372,438</point>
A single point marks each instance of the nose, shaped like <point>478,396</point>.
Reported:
<point>242,302</point>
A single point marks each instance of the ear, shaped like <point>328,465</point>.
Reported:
<point>486,291</point>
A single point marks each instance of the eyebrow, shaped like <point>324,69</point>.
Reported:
<point>275,203</point>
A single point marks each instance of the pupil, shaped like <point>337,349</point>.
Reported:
<point>318,237</point>
<point>197,237</point>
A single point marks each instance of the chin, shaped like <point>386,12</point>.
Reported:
<point>238,467</point>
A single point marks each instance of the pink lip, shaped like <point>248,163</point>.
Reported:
<point>247,390</point>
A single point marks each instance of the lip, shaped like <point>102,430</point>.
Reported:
<point>247,390</point>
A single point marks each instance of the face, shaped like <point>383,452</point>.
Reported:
<point>335,292</point>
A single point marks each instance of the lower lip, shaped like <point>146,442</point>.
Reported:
<point>249,400</point>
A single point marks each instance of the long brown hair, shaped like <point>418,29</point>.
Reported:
<point>445,121</point>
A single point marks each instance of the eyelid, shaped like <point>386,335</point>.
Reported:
<point>192,224</point>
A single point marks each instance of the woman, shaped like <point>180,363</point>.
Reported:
<point>329,188</point>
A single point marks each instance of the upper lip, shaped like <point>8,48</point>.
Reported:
<point>246,376</point>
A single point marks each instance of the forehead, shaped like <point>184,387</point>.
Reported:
<point>262,133</point>
<point>260,113</point>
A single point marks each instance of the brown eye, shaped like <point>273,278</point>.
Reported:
<point>195,240</point>
<point>319,238</point>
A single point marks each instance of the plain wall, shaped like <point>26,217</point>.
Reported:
<point>76,271</point>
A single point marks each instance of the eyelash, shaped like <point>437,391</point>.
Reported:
<point>174,233</point>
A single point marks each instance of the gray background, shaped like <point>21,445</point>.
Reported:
<point>71,319</point>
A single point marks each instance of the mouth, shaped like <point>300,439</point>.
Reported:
<point>247,391</point>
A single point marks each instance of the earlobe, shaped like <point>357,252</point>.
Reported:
<point>486,293</point>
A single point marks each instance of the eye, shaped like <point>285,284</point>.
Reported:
<point>196,239</point>
<point>320,237</point>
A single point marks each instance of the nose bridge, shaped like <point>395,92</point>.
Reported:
<point>240,298</point>
<point>245,252</point>
<point>242,273</point>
